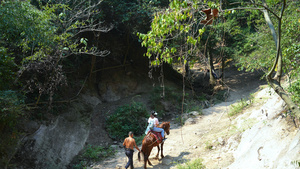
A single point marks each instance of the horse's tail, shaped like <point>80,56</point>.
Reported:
<point>139,156</point>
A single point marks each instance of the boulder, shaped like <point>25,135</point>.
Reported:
<point>54,146</point>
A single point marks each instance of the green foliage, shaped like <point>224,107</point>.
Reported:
<point>172,97</point>
<point>174,34</point>
<point>292,59</point>
<point>238,107</point>
<point>127,118</point>
<point>93,154</point>
<point>294,89</point>
<point>25,28</point>
<point>195,164</point>
<point>139,139</point>
<point>37,38</point>
<point>259,50</point>
<point>29,37</point>
<point>221,96</point>
<point>7,67</point>
<point>180,120</point>
<point>209,145</point>
<point>192,105</point>
<point>11,106</point>
<point>11,109</point>
<point>296,163</point>
<point>134,15</point>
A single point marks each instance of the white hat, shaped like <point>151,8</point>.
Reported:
<point>154,113</point>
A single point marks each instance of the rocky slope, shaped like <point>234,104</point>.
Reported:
<point>260,137</point>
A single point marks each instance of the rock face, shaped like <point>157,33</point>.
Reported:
<point>54,146</point>
<point>117,85</point>
<point>273,142</point>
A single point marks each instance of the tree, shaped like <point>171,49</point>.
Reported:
<point>275,81</point>
<point>38,39</point>
<point>176,34</point>
<point>34,42</point>
<point>278,66</point>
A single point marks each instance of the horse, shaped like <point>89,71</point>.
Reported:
<point>150,141</point>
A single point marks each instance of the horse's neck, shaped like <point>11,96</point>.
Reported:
<point>161,125</point>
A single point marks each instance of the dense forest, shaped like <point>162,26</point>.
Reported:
<point>51,50</point>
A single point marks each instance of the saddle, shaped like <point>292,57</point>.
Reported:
<point>157,136</point>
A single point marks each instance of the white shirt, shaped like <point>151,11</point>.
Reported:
<point>154,121</point>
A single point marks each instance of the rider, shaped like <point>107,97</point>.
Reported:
<point>150,124</point>
<point>153,120</point>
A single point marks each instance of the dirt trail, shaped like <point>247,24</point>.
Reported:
<point>209,136</point>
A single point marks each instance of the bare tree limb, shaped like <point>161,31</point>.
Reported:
<point>265,7</point>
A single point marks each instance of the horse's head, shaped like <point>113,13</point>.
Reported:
<point>166,127</point>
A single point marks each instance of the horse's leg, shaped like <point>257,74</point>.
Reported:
<point>145,164</point>
<point>158,149</point>
<point>149,162</point>
<point>162,145</point>
<point>145,160</point>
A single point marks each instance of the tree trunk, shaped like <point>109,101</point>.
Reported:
<point>285,97</point>
<point>273,32</point>
<point>212,80</point>
<point>187,70</point>
<point>222,70</point>
<point>275,82</point>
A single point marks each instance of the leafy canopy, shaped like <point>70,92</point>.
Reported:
<point>259,49</point>
<point>175,32</point>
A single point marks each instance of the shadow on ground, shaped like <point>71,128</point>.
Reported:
<point>165,163</point>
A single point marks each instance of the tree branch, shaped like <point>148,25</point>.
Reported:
<point>266,8</point>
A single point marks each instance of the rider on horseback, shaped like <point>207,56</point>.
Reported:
<point>153,123</point>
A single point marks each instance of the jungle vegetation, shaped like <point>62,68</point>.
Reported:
<point>44,44</point>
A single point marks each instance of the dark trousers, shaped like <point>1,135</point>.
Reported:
<point>129,154</point>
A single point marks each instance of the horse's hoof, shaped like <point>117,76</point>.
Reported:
<point>162,156</point>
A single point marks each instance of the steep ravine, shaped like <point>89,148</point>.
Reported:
<point>260,137</point>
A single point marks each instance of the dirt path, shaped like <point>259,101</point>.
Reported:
<point>210,136</point>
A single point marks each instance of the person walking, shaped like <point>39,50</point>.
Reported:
<point>128,144</point>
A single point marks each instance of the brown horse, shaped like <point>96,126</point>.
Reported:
<point>150,141</point>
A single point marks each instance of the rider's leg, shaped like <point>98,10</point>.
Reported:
<point>162,131</point>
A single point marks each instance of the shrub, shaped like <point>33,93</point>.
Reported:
<point>11,109</point>
<point>192,105</point>
<point>238,107</point>
<point>294,89</point>
<point>196,164</point>
<point>92,154</point>
<point>139,139</point>
<point>7,65</point>
<point>171,95</point>
<point>221,96</point>
<point>127,118</point>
